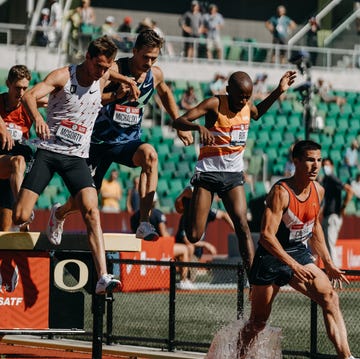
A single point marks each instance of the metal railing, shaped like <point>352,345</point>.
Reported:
<point>176,319</point>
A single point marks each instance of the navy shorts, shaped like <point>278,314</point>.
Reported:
<point>73,170</point>
<point>218,182</point>
<point>19,150</point>
<point>102,155</point>
<point>267,269</point>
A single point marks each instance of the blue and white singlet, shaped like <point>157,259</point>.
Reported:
<point>120,121</point>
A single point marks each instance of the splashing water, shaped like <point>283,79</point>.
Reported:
<point>226,341</point>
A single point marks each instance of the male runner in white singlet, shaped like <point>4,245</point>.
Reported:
<point>64,141</point>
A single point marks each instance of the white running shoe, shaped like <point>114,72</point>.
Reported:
<point>107,284</point>
<point>55,226</point>
<point>186,285</point>
<point>24,227</point>
<point>147,231</point>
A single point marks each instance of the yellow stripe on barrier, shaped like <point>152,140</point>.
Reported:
<point>122,242</point>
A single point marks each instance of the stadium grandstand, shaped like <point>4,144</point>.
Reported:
<point>246,46</point>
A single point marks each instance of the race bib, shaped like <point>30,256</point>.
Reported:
<point>15,131</point>
<point>301,232</point>
<point>239,135</point>
<point>126,116</point>
<point>71,133</point>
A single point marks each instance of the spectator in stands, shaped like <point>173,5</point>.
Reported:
<point>218,84</point>
<point>357,21</point>
<point>125,26</point>
<point>355,186</point>
<point>280,26</point>
<point>220,165</point>
<point>108,29</point>
<point>191,25</point>
<point>260,90</point>
<point>144,24</point>
<point>323,88</point>
<point>334,206</point>
<point>41,36</point>
<point>55,24</point>
<point>188,99</point>
<point>213,22</point>
<point>83,26</point>
<point>181,252</point>
<point>111,193</point>
<point>86,13</point>
<point>117,132</point>
<point>133,197</point>
<point>312,38</point>
<point>15,125</point>
<point>289,169</point>
<point>351,157</point>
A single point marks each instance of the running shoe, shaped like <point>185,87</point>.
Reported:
<point>55,226</point>
<point>107,284</point>
<point>24,227</point>
<point>147,232</point>
<point>186,285</point>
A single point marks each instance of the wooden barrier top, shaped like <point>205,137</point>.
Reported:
<point>37,241</point>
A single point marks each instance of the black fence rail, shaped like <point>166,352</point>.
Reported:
<point>175,319</point>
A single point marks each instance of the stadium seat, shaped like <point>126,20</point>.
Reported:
<point>43,202</point>
<point>259,188</point>
<point>162,187</point>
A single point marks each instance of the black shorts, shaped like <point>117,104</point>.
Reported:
<point>218,182</point>
<point>7,199</point>
<point>19,150</point>
<point>73,170</point>
<point>102,155</point>
<point>267,269</point>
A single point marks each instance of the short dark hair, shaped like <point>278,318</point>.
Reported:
<point>18,72</point>
<point>329,160</point>
<point>102,46</point>
<point>148,38</point>
<point>302,146</point>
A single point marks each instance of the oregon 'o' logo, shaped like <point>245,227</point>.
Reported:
<point>59,275</point>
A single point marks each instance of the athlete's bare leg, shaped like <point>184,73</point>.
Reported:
<point>146,158</point>
<point>87,202</point>
<point>235,204</point>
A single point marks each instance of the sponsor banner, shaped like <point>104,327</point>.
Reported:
<point>24,290</point>
<point>348,254</point>
<point>135,277</point>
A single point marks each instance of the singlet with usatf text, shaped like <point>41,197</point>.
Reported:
<point>298,219</point>
<point>71,115</point>
<point>230,131</point>
<point>120,121</point>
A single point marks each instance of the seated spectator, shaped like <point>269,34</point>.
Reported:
<point>108,28</point>
<point>351,157</point>
<point>41,37</point>
<point>111,193</point>
<point>218,84</point>
<point>188,99</point>
<point>133,197</point>
<point>260,89</point>
<point>145,24</point>
<point>289,169</point>
<point>126,25</point>
<point>181,252</point>
<point>355,185</point>
<point>323,89</point>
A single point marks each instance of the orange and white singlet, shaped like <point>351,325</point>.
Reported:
<point>298,220</point>
<point>230,131</point>
<point>17,121</point>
